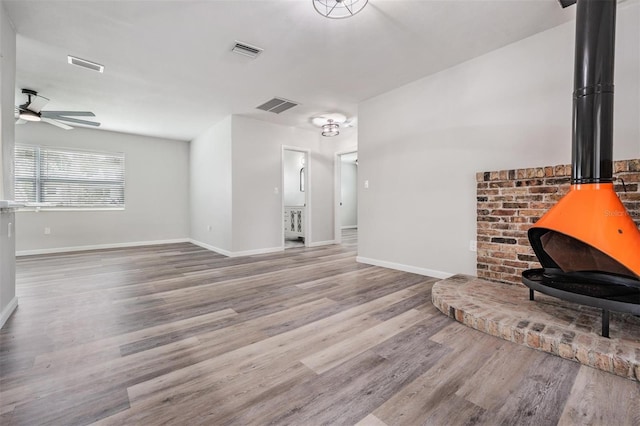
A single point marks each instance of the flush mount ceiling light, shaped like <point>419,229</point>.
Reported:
<point>338,9</point>
<point>330,129</point>
<point>330,123</point>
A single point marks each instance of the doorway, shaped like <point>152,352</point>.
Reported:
<point>346,189</point>
<point>295,197</point>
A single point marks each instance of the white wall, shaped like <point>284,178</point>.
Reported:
<point>293,196</point>
<point>257,158</point>
<point>346,141</point>
<point>7,99</point>
<point>156,193</point>
<point>8,301</point>
<point>349,195</point>
<point>508,109</point>
<point>242,158</point>
<point>210,187</point>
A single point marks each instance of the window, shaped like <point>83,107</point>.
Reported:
<point>56,177</point>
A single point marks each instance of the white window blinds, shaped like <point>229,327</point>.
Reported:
<point>67,178</point>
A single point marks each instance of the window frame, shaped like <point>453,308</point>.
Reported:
<point>39,181</point>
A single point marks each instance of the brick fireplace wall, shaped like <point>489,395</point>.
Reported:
<point>511,201</point>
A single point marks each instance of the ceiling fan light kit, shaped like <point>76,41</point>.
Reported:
<point>29,115</point>
<point>32,111</point>
<point>339,9</point>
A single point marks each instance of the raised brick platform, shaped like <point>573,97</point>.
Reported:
<point>548,324</point>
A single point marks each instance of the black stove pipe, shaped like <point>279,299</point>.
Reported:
<point>592,138</point>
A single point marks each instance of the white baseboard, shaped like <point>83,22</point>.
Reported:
<point>237,253</point>
<point>321,243</point>
<point>349,227</point>
<point>257,251</point>
<point>405,268</point>
<point>99,247</point>
<point>211,248</point>
<point>8,310</point>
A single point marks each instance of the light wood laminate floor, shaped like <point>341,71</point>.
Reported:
<point>176,334</point>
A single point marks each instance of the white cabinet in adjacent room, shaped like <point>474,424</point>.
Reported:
<point>294,222</point>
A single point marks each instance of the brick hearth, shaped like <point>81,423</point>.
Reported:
<point>509,203</point>
<point>548,324</point>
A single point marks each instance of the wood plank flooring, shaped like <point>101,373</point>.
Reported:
<point>176,334</point>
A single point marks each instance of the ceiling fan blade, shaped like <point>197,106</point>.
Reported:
<point>20,121</point>
<point>37,103</point>
<point>56,123</point>
<point>78,121</point>
<point>68,113</point>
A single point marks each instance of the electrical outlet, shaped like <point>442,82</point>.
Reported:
<point>209,228</point>
<point>366,184</point>
<point>47,231</point>
<point>276,190</point>
<point>473,245</point>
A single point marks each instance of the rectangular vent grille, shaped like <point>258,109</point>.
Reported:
<point>277,105</point>
<point>246,50</point>
<point>85,64</point>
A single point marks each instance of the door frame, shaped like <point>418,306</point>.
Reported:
<point>337,192</point>
<point>307,192</point>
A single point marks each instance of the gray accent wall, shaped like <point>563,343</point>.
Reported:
<point>420,145</point>
<point>156,193</point>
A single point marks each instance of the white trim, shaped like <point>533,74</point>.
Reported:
<point>99,247</point>
<point>210,247</point>
<point>322,243</point>
<point>8,310</point>
<point>257,251</point>
<point>237,253</point>
<point>405,268</point>
<point>350,227</point>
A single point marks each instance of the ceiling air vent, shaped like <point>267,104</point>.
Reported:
<point>246,50</point>
<point>85,64</point>
<point>277,105</point>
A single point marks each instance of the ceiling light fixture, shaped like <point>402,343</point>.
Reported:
<point>338,9</point>
<point>330,129</point>
<point>29,115</point>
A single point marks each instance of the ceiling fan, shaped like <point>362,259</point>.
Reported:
<point>331,122</point>
<point>32,111</point>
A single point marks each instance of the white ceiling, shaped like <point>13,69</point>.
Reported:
<point>169,71</point>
